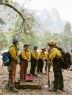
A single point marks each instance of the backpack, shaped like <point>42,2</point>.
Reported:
<point>65,60</point>
<point>6,58</point>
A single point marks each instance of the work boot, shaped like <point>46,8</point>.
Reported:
<point>13,89</point>
<point>61,89</point>
<point>53,90</point>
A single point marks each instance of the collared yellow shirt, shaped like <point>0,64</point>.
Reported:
<point>34,54</point>
<point>54,52</point>
<point>14,52</point>
<point>42,55</point>
<point>25,54</point>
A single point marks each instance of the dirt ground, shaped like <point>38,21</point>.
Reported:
<point>41,79</point>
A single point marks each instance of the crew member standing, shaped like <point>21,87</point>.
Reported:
<point>13,63</point>
<point>55,57</point>
<point>34,60</point>
<point>42,58</point>
<point>25,58</point>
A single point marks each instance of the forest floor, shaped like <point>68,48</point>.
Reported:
<point>40,79</point>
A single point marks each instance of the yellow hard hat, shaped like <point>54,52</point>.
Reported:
<point>52,42</point>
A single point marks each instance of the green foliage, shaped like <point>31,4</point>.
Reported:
<point>43,39</point>
<point>3,42</point>
<point>67,28</point>
<point>23,26</point>
<point>24,29</point>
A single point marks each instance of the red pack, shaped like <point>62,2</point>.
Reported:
<point>29,78</point>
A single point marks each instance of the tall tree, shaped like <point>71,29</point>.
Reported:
<point>67,28</point>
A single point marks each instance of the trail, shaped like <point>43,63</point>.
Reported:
<point>41,79</point>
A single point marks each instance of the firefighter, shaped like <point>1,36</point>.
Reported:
<point>13,62</point>
<point>25,58</point>
<point>42,58</point>
<point>34,60</point>
<point>55,57</point>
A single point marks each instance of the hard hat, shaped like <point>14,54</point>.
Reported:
<point>35,46</point>
<point>44,49</point>
<point>15,39</point>
<point>53,43</point>
<point>26,44</point>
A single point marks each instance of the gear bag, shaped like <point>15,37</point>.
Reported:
<point>6,58</point>
<point>66,60</point>
<point>29,78</point>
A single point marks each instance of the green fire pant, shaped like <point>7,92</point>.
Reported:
<point>58,77</point>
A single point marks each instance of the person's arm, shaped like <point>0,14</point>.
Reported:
<point>28,55</point>
<point>23,54</point>
<point>54,53</point>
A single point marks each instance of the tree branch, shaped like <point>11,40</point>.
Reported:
<point>13,9</point>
